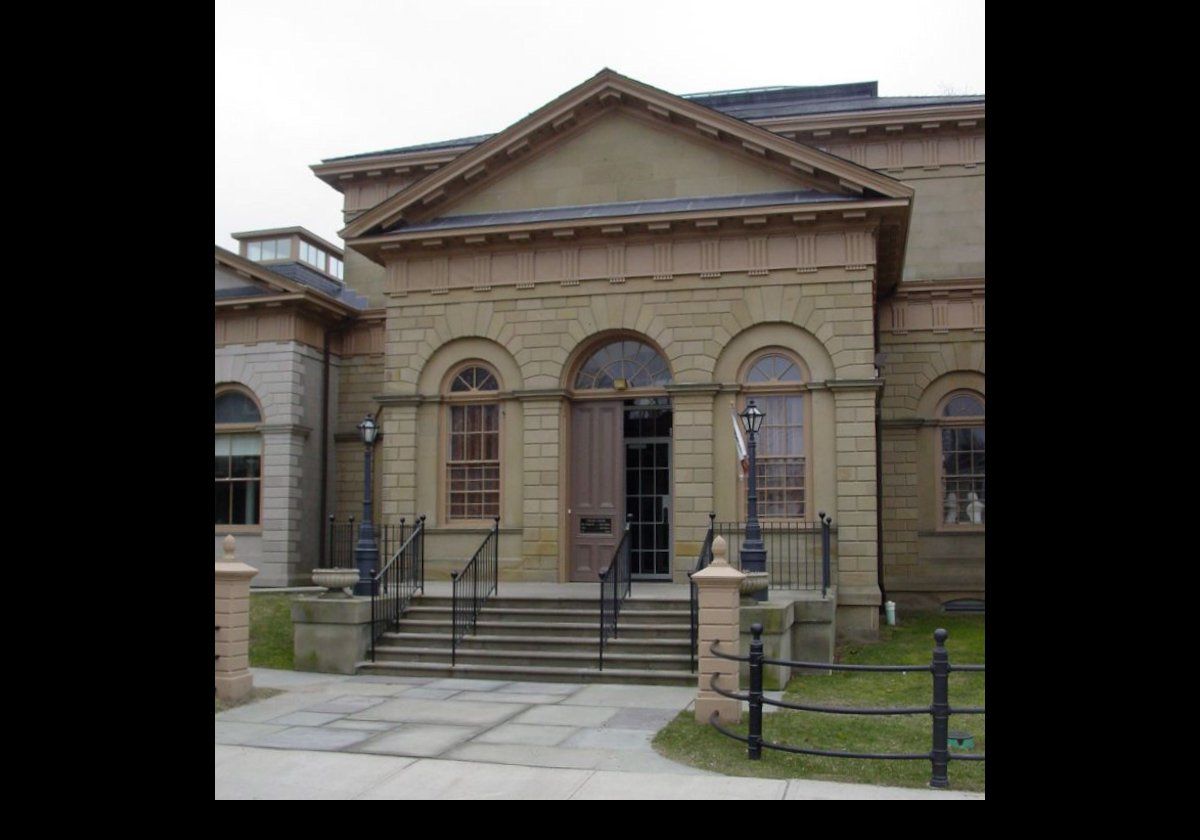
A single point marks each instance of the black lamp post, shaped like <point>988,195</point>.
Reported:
<point>754,553</point>
<point>366,552</point>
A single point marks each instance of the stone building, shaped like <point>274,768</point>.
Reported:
<point>553,324</point>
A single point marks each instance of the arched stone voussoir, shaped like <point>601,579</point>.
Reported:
<point>435,368</point>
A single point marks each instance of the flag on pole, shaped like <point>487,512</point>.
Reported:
<point>743,457</point>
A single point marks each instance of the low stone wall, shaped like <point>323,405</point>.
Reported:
<point>330,635</point>
<point>796,625</point>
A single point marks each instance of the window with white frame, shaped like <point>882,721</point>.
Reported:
<point>269,249</point>
<point>237,460</point>
<point>961,449</point>
<point>782,465</point>
<point>473,445</point>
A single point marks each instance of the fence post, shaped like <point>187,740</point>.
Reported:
<point>754,747</point>
<point>718,587</point>
<point>826,521</point>
<point>940,755</point>
<point>233,677</point>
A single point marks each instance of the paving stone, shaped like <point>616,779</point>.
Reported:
<point>310,738</point>
<point>287,774</point>
<point>812,789</point>
<point>462,684</point>
<point>506,697</point>
<point>522,733</point>
<point>386,680</point>
<point>406,709</point>
<point>527,755</point>
<point>346,705</point>
<point>651,719</point>
<point>292,680</point>
<point>431,693</point>
<point>635,696</point>
<point>304,719</point>
<point>542,688</point>
<point>238,732</point>
<point>646,761</point>
<point>362,725</point>
<point>606,784</point>
<point>563,715</point>
<point>440,779</point>
<point>418,739</point>
<point>611,739</point>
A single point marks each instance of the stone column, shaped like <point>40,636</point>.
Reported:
<point>234,679</point>
<point>858,595</point>
<point>692,451</point>
<point>542,437</point>
<point>396,459</point>
<point>719,592</point>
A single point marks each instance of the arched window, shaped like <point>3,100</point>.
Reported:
<point>621,364</point>
<point>238,459</point>
<point>961,449</point>
<point>473,444</point>
<point>772,380</point>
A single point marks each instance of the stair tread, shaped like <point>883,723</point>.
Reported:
<point>575,640</point>
<point>544,670</point>
<point>532,654</point>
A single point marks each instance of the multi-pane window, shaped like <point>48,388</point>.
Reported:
<point>312,255</point>
<point>336,267</point>
<point>237,461</point>
<point>624,364</point>
<point>269,249</point>
<point>473,454</point>
<point>781,465</point>
<point>962,450</point>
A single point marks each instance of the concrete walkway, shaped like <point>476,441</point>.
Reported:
<point>369,737</point>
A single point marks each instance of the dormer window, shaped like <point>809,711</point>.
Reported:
<point>335,266</point>
<point>269,249</point>
<point>312,255</point>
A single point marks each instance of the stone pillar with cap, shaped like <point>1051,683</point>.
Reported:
<point>719,588</point>
<point>234,679</point>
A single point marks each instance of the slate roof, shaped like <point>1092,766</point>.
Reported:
<point>628,208</point>
<point>749,104</point>
<point>297,273</point>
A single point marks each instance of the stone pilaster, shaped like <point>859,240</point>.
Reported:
<point>233,677</point>
<point>397,463</point>
<point>692,466</point>
<point>858,595</point>
<point>541,442</point>
<point>719,592</point>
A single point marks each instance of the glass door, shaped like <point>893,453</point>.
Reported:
<point>647,443</point>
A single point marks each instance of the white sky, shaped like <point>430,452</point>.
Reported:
<point>302,80</point>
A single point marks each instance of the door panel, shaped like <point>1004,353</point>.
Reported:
<point>597,514</point>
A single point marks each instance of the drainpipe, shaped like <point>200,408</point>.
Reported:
<point>879,464</point>
<point>325,434</point>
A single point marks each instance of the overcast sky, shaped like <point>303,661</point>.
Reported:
<point>302,80</point>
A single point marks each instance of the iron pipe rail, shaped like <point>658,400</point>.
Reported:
<point>940,709</point>
<point>471,586</point>
<point>617,578</point>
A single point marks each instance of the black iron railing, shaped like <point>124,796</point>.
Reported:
<point>400,579</point>
<point>798,553</point>
<point>615,585</point>
<point>940,710</point>
<point>216,656</point>
<point>343,537</point>
<point>702,561</point>
<point>470,588</point>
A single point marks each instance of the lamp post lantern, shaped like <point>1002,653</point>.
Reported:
<point>366,551</point>
<point>754,553</point>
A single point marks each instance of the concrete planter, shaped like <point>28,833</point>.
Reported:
<point>753,582</point>
<point>335,581</point>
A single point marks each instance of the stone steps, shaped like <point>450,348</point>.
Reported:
<point>529,638</point>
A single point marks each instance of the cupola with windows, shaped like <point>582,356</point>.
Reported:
<point>293,245</point>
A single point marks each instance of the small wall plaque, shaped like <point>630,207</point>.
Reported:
<point>595,525</point>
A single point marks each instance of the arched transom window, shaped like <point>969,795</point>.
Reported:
<point>773,379</point>
<point>473,447</point>
<point>237,460</point>
<point>962,454</point>
<point>626,363</point>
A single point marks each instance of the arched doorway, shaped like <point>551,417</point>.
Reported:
<point>620,459</point>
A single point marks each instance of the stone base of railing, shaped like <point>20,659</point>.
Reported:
<point>330,635</point>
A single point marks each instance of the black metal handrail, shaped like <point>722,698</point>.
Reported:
<point>798,553</point>
<point>939,755</point>
<point>615,585</point>
<point>398,582</point>
<point>702,561</point>
<point>216,656</point>
<point>470,588</point>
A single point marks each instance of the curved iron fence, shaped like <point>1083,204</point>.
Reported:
<point>939,754</point>
<point>470,588</point>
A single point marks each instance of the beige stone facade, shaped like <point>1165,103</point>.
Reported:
<point>620,212</point>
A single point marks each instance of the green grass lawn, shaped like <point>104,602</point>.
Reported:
<point>688,742</point>
<point>271,631</point>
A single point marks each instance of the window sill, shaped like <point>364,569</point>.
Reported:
<point>952,530</point>
<point>253,530</point>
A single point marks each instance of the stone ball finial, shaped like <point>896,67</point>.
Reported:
<point>720,552</point>
<point>227,548</point>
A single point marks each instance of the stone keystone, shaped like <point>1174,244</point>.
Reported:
<point>719,594</point>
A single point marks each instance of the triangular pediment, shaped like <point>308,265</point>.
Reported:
<point>615,139</point>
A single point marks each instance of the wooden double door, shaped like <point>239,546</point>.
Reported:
<point>620,464</point>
